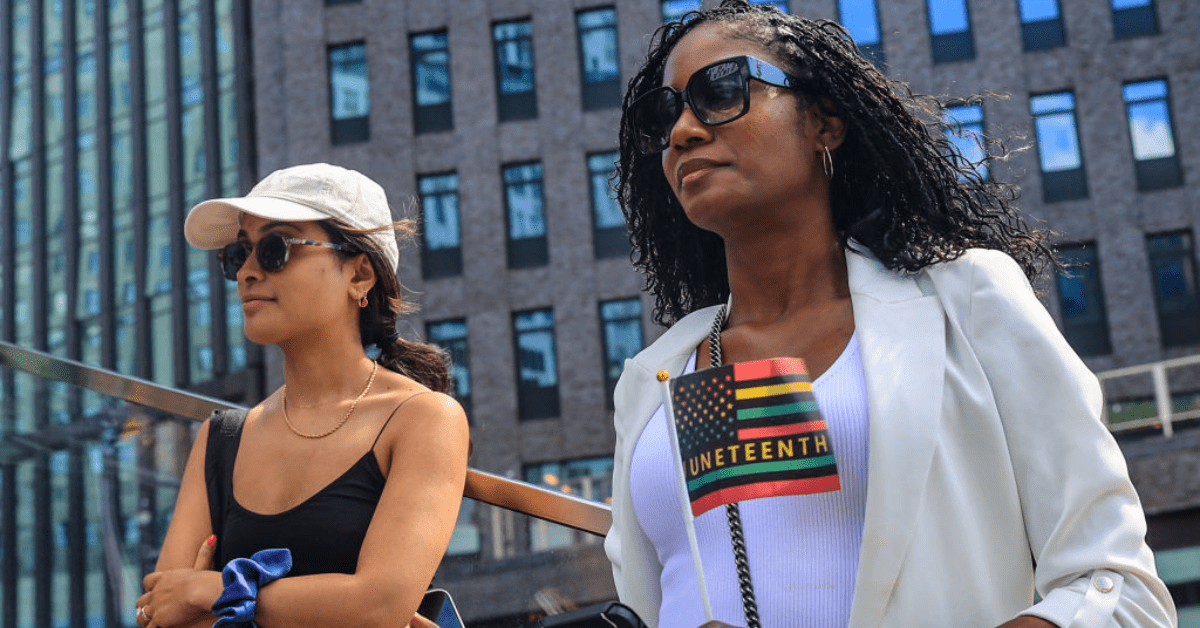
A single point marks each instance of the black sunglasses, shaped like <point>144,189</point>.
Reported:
<point>718,93</point>
<point>271,251</point>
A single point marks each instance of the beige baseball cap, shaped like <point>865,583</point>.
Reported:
<point>302,193</point>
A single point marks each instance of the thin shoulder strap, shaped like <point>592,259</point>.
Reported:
<point>389,419</point>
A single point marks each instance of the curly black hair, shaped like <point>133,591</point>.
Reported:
<point>899,187</point>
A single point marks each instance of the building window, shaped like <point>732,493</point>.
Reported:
<point>466,540</point>
<point>349,93</point>
<point>526,216</point>
<point>601,69</point>
<point>1041,24</point>
<point>441,253</point>
<point>1134,18</point>
<point>1154,157</point>
<point>1058,147</point>
<point>537,368</point>
<point>431,82</point>
<point>589,478</point>
<point>452,336</point>
<point>1179,569</point>
<point>1173,271</point>
<point>965,134</point>
<point>950,31</point>
<point>675,9</point>
<point>622,337</point>
<point>861,19</point>
<point>1081,300</point>
<point>516,95</point>
<point>609,238</point>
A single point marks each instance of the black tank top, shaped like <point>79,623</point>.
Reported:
<point>324,533</point>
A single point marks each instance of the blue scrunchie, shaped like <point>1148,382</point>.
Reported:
<point>243,577</point>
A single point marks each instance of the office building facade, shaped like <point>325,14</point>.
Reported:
<point>115,116</point>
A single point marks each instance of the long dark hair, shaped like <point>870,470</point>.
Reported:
<point>899,188</point>
<point>423,362</point>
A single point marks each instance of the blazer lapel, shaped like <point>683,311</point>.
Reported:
<point>902,337</point>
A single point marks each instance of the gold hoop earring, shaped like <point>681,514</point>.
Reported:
<point>363,301</point>
<point>827,163</point>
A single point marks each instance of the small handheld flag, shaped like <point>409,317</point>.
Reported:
<point>688,519</point>
<point>751,430</point>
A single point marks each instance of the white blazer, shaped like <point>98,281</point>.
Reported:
<point>990,472</point>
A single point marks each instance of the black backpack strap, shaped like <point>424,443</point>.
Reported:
<point>224,436</point>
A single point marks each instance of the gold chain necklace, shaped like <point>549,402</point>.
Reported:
<point>370,380</point>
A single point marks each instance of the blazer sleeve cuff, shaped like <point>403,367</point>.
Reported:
<point>1087,602</point>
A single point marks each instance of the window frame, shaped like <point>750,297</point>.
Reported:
<point>536,402</point>
<point>1176,564</point>
<point>607,242</point>
<point>349,130</point>
<point>463,398</point>
<point>1087,337</point>
<point>522,105</point>
<point>1134,22</point>
<point>1159,172</point>
<point>447,261</point>
<point>1066,184</point>
<point>435,117</point>
<point>610,382</point>
<point>951,47</point>
<point>532,251</point>
<point>606,93</point>
<point>1043,34</point>
<point>1173,327</point>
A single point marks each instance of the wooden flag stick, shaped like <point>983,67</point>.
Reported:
<point>688,518</point>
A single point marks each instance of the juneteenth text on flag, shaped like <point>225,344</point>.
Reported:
<point>751,430</point>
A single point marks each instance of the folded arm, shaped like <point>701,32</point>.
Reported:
<point>403,546</point>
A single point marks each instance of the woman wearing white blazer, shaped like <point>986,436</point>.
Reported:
<point>785,199</point>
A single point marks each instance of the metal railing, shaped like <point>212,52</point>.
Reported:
<point>1165,416</point>
<point>574,512</point>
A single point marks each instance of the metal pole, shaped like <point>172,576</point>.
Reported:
<point>1162,398</point>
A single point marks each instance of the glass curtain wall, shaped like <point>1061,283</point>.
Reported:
<point>115,117</point>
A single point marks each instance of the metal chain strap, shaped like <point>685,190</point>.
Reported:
<point>749,605</point>
<point>714,338</point>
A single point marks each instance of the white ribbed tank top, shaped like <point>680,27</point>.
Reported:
<point>803,550</point>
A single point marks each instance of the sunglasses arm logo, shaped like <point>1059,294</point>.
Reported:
<point>721,70</point>
<point>770,74</point>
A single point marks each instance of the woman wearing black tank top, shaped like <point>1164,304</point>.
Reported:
<point>357,470</point>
